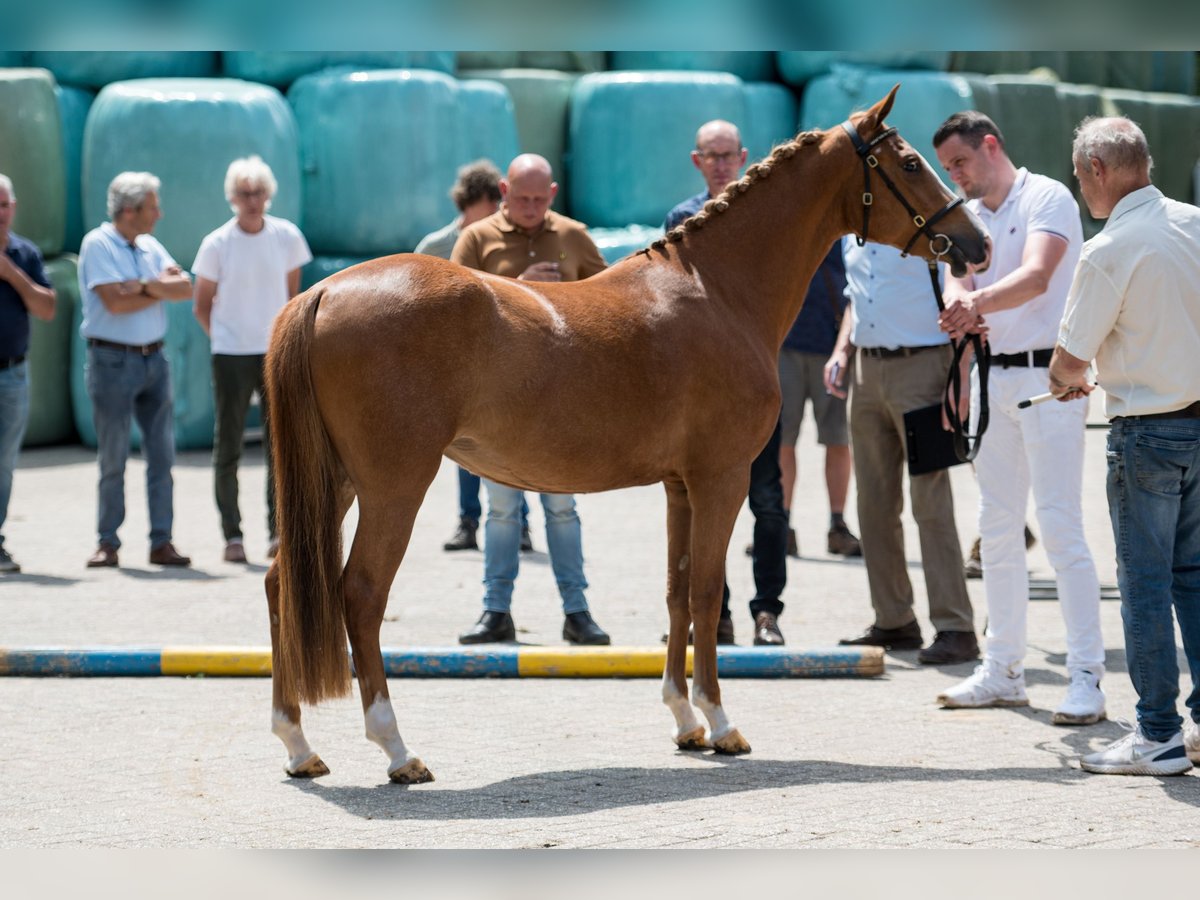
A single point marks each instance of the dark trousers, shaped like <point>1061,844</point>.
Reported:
<point>235,379</point>
<point>770,531</point>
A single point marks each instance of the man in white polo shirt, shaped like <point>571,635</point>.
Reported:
<point>245,271</point>
<point>1018,302</point>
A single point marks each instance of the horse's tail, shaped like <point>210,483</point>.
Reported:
<point>311,658</point>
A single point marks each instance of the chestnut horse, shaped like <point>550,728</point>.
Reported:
<point>661,368</point>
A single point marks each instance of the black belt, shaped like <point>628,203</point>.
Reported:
<point>1026,359</point>
<point>894,352</point>
<point>143,349</point>
<point>1191,411</point>
<point>10,362</point>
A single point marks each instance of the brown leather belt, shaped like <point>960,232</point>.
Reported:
<point>894,352</point>
<point>143,349</point>
<point>10,362</point>
<point>1191,411</point>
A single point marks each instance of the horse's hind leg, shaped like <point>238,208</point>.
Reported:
<point>689,733</point>
<point>285,711</point>
<point>384,527</point>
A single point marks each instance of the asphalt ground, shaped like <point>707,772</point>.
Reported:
<point>171,762</point>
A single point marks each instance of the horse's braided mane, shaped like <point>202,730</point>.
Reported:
<point>754,174</point>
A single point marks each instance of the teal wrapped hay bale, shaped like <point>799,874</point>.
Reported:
<point>1162,71</point>
<point>748,65</point>
<point>73,106</point>
<point>631,135</point>
<point>10,59</point>
<point>924,101</point>
<point>50,418</point>
<point>540,101</point>
<point>280,68</point>
<point>470,60</point>
<point>321,267</point>
<point>616,243</point>
<point>771,117</point>
<point>31,154</point>
<point>379,150</point>
<point>1172,126</point>
<point>188,132</point>
<point>489,123</point>
<point>563,60</point>
<point>1076,103</point>
<point>1030,115</point>
<point>798,67</point>
<point>96,68</point>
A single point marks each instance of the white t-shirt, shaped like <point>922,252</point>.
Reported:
<point>1135,305</point>
<point>1034,203</point>
<point>251,275</point>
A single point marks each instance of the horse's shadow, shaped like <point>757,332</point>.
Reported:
<point>576,792</point>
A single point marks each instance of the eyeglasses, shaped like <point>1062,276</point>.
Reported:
<point>256,194</point>
<point>732,156</point>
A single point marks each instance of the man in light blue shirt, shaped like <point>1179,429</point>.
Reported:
<point>901,359</point>
<point>125,275</point>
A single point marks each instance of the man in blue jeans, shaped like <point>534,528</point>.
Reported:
<point>719,156</point>
<point>1135,309</point>
<point>125,277</point>
<point>24,291</point>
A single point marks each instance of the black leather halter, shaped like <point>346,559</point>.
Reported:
<point>966,445</point>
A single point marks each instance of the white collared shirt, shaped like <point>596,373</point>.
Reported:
<point>1034,203</point>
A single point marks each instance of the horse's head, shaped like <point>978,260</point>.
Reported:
<point>903,202</point>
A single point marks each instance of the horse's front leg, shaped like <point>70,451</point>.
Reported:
<point>285,711</point>
<point>715,503</point>
<point>379,545</point>
<point>689,733</point>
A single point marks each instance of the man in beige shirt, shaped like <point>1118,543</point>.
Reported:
<point>524,239</point>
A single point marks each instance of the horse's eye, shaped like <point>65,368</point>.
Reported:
<point>911,165</point>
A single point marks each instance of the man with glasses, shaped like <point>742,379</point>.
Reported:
<point>719,155</point>
<point>125,278</point>
<point>246,271</point>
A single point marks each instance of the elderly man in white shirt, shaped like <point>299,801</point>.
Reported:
<point>1036,238</point>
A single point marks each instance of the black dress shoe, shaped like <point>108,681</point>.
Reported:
<point>464,536</point>
<point>581,628</point>
<point>766,630</point>
<point>906,637</point>
<point>950,647</point>
<point>491,628</point>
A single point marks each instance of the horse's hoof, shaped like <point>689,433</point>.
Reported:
<point>312,767</point>
<point>693,740</point>
<point>412,772</point>
<point>732,743</point>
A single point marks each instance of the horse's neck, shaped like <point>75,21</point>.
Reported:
<point>762,251</point>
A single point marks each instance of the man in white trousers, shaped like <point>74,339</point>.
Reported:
<point>1018,303</point>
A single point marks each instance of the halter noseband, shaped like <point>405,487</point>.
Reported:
<point>966,445</point>
<point>939,244</point>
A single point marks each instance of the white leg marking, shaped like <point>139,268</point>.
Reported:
<point>381,728</point>
<point>685,717</point>
<point>299,752</point>
<point>718,724</point>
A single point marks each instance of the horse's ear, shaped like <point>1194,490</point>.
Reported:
<point>877,113</point>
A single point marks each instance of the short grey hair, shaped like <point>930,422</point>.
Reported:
<point>129,191</point>
<point>7,185</point>
<point>253,171</point>
<point>1116,141</point>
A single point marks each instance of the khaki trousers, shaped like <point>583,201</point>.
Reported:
<point>885,389</point>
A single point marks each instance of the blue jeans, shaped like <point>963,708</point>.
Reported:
<point>14,414</point>
<point>502,543</point>
<point>468,498</point>
<point>124,385</point>
<point>1154,502</point>
<point>770,532</point>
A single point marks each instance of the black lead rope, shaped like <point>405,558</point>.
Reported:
<point>966,445</point>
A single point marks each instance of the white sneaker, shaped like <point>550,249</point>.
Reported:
<point>1136,754</point>
<point>1084,703</point>
<point>990,685</point>
<point>1191,740</point>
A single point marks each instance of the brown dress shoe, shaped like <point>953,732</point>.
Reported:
<point>167,555</point>
<point>841,541</point>
<point>105,557</point>
<point>766,630</point>
<point>906,637</point>
<point>950,647</point>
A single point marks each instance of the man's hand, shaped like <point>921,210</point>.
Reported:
<point>541,271</point>
<point>835,373</point>
<point>962,317</point>
<point>8,270</point>
<point>1068,376</point>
